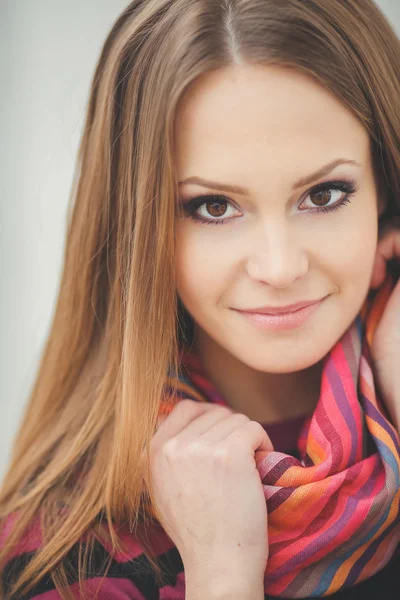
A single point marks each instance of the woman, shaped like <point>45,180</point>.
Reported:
<point>279,122</point>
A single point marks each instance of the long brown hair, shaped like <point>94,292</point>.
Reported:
<point>81,456</point>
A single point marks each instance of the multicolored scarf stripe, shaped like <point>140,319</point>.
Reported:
<point>333,514</point>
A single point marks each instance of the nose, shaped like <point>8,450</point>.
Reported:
<point>277,257</point>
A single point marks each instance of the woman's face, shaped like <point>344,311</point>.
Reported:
<point>268,130</point>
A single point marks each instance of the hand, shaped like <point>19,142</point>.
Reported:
<point>208,490</point>
<point>385,349</point>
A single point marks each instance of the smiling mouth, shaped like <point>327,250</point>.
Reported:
<point>280,310</point>
<point>283,320</point>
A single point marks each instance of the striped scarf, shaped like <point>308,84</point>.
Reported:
<point>333,514</point>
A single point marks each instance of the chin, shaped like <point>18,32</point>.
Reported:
<point>279,368</point>
<point>282,361</point>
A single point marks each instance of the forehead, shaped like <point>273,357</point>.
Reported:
<point>263,115</point>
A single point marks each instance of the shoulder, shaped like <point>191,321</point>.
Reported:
<point>129,573</point>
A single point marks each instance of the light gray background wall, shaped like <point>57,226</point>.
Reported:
<point>48,50</point>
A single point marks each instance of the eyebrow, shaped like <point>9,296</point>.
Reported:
<point>235,189</point>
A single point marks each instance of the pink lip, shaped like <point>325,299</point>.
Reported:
<point>287,320</point>
<point>278,310</point>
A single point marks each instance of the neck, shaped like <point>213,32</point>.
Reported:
<point>263,397</point>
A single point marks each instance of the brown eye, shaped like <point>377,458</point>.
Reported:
<point>216,208</point>
<point>321,198</point>
<point>209,209</point>
<point>329,196</point>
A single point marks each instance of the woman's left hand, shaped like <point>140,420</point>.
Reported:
<point>385,349</point>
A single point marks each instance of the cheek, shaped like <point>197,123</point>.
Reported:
<point>350,256</point>
<point>202,271</point>
<point>356,245</point>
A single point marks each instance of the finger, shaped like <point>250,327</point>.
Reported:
<point>202,424</point>
<point>388,248</point>
<point>252,437</point>
<point>389,321</point>
<point>224,428</point>
<point>183,412</point>
<point>389,245</point>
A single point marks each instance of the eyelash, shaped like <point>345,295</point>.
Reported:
<point>349,188</point>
